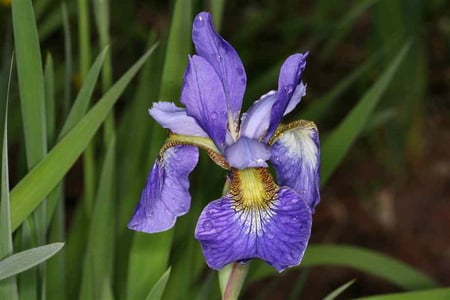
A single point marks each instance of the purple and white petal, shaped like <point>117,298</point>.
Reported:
<point>299,93</point>
<point>247,153</point>
<point>278,235</point>
<point>166,194</point>
<point>204,98</point>
<point>296,158</point>
<point>290,77</point>
<point>176,119</point>
<point>223,58</point>
<point>255,121</point>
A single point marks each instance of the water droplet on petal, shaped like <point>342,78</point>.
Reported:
<point>207,225</point>
<point>213,115</point>
<point>223,49</point>
<point>288,89</point>
<point>294,200</point>
<point>200,21</point>
<point>219,58</point>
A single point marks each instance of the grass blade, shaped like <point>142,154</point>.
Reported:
<point>31,80</point>
<point>28,193</point>
<point>371,262</point>
<point>158,289</point>
<point>434,294</point>
<point>334,294</point>
<point>27,259</point>
<point>84,96</point>
<point>337,144</point>
<point>8,288</point>
<point>97,269</point>
<point>149,254</point>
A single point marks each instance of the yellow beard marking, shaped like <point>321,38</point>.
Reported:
<point>252,188</point>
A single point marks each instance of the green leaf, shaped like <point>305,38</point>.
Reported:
<point>31,80</point>
<point>28,193</point>
<point>371,262</point>
<point>178,48</point>
<point>334,294</point>
<point>434,294</point>
<point>8,288</point>
<point>49,79</point>
<point>149,254</point>
<point>97,269</point>
<point>337,144</point>
<point>158,289</point>
<point>84,96</point>
<point>217,7</point>
<point>27,259</point>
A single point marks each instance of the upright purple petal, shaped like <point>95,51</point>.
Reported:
<point>204,99</point>
<point>290,77</point>
<point>166,193</point>
<point>224,59</point>
<point>176,119</point>
<point>296,158</point>
<point>255,121</point>
<point>299,93</point>
<point>278,235</point>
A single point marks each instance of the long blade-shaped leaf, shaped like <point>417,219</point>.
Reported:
<point>149,254</point>
<point>81,103</point>
<point>334,294</point>
<point>98,262</point>
<point>339,141</point>
<point>8,288</point>
<point>31,80</point>
<point>158,289</point>
<point>374,263</point>
<point>434,294</point>
<point>27,259</point>
<point>28,193</point>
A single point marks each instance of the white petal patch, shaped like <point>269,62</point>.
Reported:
<point>296,158</point>
<point>301,143</point>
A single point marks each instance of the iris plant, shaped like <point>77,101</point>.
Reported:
<point>257,217</point>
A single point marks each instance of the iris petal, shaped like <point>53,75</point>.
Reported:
<point>247,153</point>
<point>176,119</point>
<point>296,159</point>
<point>223,58</point>
<point>204,98</point>
<point>255,121</point>
<point>166,193</point>
<point>290,77</point>
<point>278,235</point>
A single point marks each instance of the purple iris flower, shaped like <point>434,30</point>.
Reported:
<point>258,217</point>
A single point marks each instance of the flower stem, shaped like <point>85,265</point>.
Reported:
<point>231,279</point>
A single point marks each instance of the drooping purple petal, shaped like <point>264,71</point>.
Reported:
<point>223,58</point>
<point>247,153</point>
<point>290,77</point>
<point>176,119</point>
<point>166,193</point>
<point>296,158</point>
<point>278,235</point>
<point>204,98</point>
<point>255,121</point>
